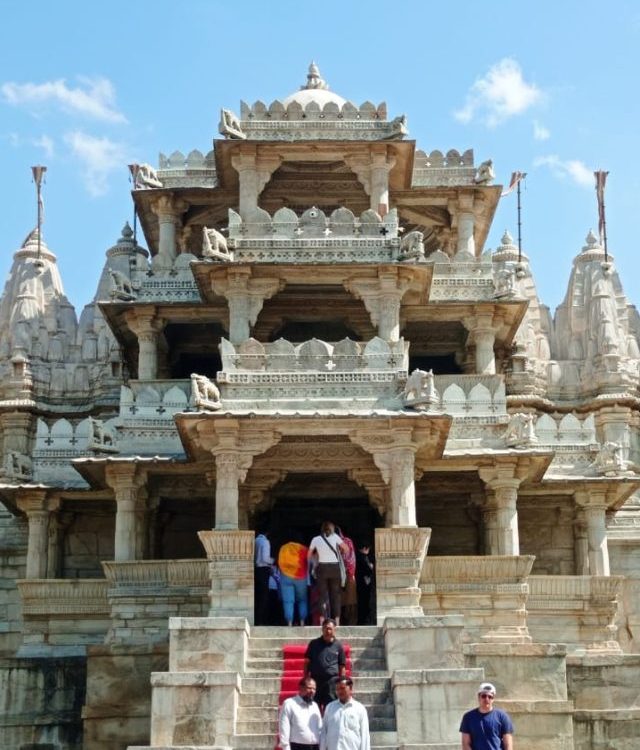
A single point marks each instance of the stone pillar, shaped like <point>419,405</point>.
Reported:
<point>400,554</point>
<point>466,224</point>
<point>168,209</point>
<point>38,509</point>
<point>403,488</point>
<point>381,165</point>
<point>17,428</point>
<point>228,477</point>
<point>382,298</point>
<point>592,510</point>
<point>500,514</point>
<point>389,315</point>
<point>482,329</point>
<point>147,328</point>
<point>253,174</point>
<point>127,483</point>
<point>230,555</point>
<point>246,297</point>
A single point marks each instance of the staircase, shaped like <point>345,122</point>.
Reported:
<point>257,720</point>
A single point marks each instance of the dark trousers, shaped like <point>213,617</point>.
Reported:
<point>300,746</point>
<point>329,588</point>
<point>325,689</point>
<point>261,614</point>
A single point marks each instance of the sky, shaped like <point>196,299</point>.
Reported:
<point>547,88</point>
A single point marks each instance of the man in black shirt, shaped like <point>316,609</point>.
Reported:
<point>325,661</point>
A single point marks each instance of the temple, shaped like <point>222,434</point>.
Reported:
<point>317,330</point>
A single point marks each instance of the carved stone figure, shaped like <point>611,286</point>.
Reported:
<point>101,438</point>
<point>520,431</point>
<point>121,286</point>
<point>17,466</point>
<point>412,246</point>
<point>420,388</point>
<point>146,177</point>
<point>204,393</point>
<point>504,283</point>
<point>485,174</point>
<point>230,126</point>
<point>609,459</point>
<point>214,245</point>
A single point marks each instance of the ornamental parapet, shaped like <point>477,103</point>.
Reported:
<point>76,596</point>
<point>462,278</point>
<point>227,546</point>
<point>550,592</point>
<point>437,169</point>
<point>194,170</point>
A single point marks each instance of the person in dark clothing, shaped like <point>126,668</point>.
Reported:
<point>262,571</point>
<point>364,583</point>
<point>325,661</point>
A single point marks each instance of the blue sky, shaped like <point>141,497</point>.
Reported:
<point>550,88</point>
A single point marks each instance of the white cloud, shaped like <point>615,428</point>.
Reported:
<point>499,95</point>
<point>99,157</point>
<point>45,143</point>
<point>573,169</point>
<point>94,97</point>
<point>540,132</point>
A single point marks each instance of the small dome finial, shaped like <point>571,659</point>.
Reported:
<point>314,79</point>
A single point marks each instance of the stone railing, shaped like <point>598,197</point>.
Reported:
<point>314,355</point>
<point>489,569</point>
<point>277,111</point>
<point>154,399</point>
<point>471,395</point>
<point>193,170</point>
<point>570,430</point>
<point>438,169</point>
<point>461,277</point>
<point>174,283</point>
<point>156,574</point>
<point>577,610</point>
<point>77,596</point>
<point>228,545</point>
<point>313,228</point>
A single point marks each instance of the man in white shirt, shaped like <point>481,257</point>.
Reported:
<point>345,725</point>
<point>300,720</point>
<point>325,552</point>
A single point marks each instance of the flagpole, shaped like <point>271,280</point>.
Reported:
<point>519,225</point>
<point>38,174</point>
<point>133,169</point>
<point>604,230</point>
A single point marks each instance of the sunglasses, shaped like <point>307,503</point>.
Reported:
<point>487,695</point>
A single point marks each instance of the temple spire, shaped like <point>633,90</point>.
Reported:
<point>314,79</point>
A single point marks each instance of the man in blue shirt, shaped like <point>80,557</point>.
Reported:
<point>263,562</point>
<point>486,727</point>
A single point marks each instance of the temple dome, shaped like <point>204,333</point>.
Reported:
<point>316,90</point>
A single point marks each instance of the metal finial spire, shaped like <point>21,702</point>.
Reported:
<point>314,79</point>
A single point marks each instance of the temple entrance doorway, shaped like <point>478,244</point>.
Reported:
<point>298,506</point>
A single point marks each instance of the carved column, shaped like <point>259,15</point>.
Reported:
<point>500,514</point>
<point>128,488</point>
<point>17,428</point>
<point>246,297</point>
<point>253,173</point>
<point>147,328</point>
<point>484,336</point>
<point>382,298</point>
<point>168,209</point>
<point>38,509</point>
<point>229,474</point>
<point>381,165</point>
<point>591,512</point>
<point>400,554</point>
<point>466,224</point>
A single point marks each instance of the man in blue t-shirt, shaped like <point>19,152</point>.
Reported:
<point>486,727</point>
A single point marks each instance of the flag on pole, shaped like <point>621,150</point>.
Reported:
<point>516,177</point>
<point>601,181</point>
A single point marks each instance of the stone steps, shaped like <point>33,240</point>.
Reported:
<point>265,700</point>
<point>379,740</point>
<point>269,684</point>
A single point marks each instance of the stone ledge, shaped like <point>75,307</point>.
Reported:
<point>536,707</point>
<point>613,714</point>
<point>428,621</point>
<point>209,623</point>
<point>436,676</point>
<point>516,649</point>
<point>603,660</point>
<point>195,679</point>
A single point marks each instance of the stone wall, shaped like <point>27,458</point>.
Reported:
<point>546,531</point>
<point>13,553</point>
<point>624,556</point>
<point>88,539</point>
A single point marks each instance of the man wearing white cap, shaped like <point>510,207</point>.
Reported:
<point>486,727</point>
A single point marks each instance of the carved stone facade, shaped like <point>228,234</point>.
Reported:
<point>317,330</point>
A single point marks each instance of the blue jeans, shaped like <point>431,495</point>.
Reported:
<point>294,592</point>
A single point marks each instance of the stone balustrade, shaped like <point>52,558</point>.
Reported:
<point>230,556</point>
<point>490,591</point>
<point>194,170</point>
<point>154,399</point>
<point>577,610</point>
<point>471,395</point>
<point>438,169</point>
<point>63,614</point>
<point>314,355</point>
<point>341,232</point>
<point>144,594</point>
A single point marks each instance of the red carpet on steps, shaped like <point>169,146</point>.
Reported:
<point>293,666</point>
